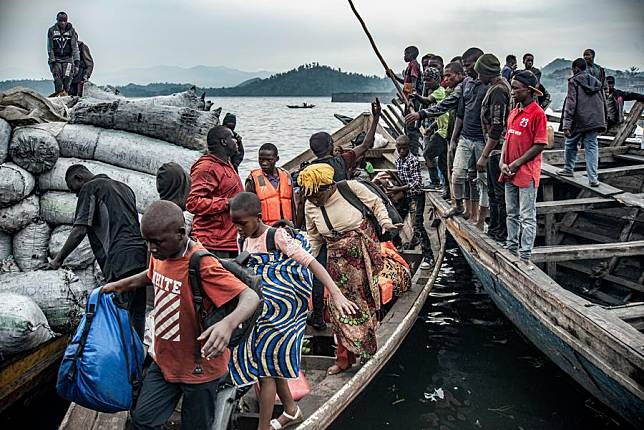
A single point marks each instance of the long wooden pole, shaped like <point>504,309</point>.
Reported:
<point>382,60</point>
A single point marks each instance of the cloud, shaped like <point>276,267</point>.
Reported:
<point>278,35</point>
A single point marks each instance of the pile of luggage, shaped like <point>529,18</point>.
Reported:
<point>126,139</point>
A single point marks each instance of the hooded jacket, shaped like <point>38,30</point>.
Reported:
<point>62,46</point>
<point>214,183</point>
<point>585,105</point>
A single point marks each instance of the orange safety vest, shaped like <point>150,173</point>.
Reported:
<point>276,203</point>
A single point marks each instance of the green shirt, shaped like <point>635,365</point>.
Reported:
<point>442,121</point>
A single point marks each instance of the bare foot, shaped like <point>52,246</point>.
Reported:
<point>334,370</point>
<point>480,225</point>
<point>466,215</point>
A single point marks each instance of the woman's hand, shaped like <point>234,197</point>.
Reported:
<point>344,305</point>
<point>389,227</point>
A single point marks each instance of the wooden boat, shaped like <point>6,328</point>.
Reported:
<point>584,306</point>
<point>343,118</point>
<point>330,394</point>
<point>24,373</point>
<point>302,106</point>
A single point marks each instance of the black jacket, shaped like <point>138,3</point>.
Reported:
<point>615,104</point>
<point>585,105</point>
<point>62,46</point>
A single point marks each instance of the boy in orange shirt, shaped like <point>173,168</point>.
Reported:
<point>175,369</point>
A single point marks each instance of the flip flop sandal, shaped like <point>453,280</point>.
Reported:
<point>292,420</point>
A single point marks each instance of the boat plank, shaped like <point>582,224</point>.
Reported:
<point>630,199</point>
<point>78,417</point>
<point>629,124</point>
<point>557,156</point>
<point>581,182</point>
<point>542,254</point>
<point>575,205</point>
<point>613,172</point>
<point>607,277</point>
<point>115,421</point>
<point>630,157</point>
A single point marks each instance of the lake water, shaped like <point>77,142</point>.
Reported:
<point>267,119</point>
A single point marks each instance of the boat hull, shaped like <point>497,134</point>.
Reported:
<point>593,379</point>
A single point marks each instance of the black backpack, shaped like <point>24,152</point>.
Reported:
<point>349,196</point>
<point>205,319</point>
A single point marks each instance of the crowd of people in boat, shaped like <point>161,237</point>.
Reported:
<point>324,229</point>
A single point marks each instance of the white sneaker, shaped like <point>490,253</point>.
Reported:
<point>425,265</point>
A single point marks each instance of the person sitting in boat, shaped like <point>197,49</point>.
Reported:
<point>322,145</point>
<point>273,186</point>
<point>230,122</point>
<point>525,139</point>
<point>353,257</point>
<point>280,257</point>
<point>177,371</point>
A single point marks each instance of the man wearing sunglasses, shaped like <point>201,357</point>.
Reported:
<point>63,53</point>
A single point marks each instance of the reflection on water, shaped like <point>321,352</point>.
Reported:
<point>267,119</point>
<point>464,366</point>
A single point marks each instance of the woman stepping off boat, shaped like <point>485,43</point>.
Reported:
<point>353,257</point>
<point>271,354</point>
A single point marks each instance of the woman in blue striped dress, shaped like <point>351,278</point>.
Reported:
<point>272,352</point>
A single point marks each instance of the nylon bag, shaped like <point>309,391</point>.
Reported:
<point>104,361</point>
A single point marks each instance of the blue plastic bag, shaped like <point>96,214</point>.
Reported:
<point>104,361</point>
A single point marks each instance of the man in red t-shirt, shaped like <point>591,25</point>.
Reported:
<point>214,182</point>
<point>174,371</point>
<point>520,166</point>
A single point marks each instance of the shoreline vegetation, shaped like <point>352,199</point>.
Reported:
<point>315,80</point>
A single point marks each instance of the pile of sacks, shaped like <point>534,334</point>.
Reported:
<point>128,140</point>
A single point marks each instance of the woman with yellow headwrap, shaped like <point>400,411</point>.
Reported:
<point>353,258</point>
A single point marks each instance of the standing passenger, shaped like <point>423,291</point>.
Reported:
<point>230,121</point>
<point>214,183</point>
<point>594,69</point>
<point>84,71</point>
<point>354,257</point>
<point>615,99</point>
<point>412,83</point>
<point>583,118</point>
<point>280,257</point>
<point>62,52</point>
<point>521,164</point>
<point>273,186</point>
<point>509,67</point>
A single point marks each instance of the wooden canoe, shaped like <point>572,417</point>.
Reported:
<point>330,395</point>
<point>584,306</point>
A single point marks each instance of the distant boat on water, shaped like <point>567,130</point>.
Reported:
<point>304,105</point>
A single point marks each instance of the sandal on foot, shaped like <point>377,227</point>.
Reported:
<point>334,370</point>
<point>454,212</point>
<point>292,420</point>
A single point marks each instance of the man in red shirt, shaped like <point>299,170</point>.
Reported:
<point>214,182</point>
<point>176,370</point>
<point>521,163</point>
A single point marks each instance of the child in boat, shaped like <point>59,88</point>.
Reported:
<point>280,256</point>
<point>173,373</point>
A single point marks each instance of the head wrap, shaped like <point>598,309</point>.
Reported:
<point>488,66</point>
<point>321,143</point>
<point>173,184</point>
<point>433,73</point>
<point>314,176</point>
<point>229,118</point>
<point>527,78</point>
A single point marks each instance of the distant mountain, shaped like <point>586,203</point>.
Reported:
<point>250,81</point>
<point>202,76</point>
<point>43,86</point>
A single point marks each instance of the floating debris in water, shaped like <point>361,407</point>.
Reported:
<point>398,401</point>
<point>437,394</point>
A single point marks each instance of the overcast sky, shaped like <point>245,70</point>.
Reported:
<point>277,35</point>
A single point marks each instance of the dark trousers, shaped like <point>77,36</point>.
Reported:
<point>435,155</point>
<point>496,194</point>
<point>318,287</point>
<point>417,204</point>
<point>134,302</point>
<point>63,74</point>
<point>159,398</point>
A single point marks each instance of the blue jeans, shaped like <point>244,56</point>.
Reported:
<point>589,140</point>
<point>521,206</point>
<point>462,172</point>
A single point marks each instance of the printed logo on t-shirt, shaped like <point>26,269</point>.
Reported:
<point>524,122</point>
<point>167,301</point>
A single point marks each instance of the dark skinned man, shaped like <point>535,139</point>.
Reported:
<point>615,99</point>
<point>273,186</point>
<point>594,69</point>
<point>106,213</point>
<point>230,121</point>
<point>62,52</point>
<point>214,182</point>
<point>521,164</point>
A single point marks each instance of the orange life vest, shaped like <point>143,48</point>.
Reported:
<point>276,203</point>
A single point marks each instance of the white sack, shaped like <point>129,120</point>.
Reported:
<point>5,245</point>
<point>5,135</point>
<point>33,149</point>
<point>15,184</point>
<point>59,294</point>
<point>88,277</point>
<point>143,185</point>
<point>30,245</point>
<point>80,258</point>
<point>58,207</point>
<point>15,217</point>
<point>23,325</point>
